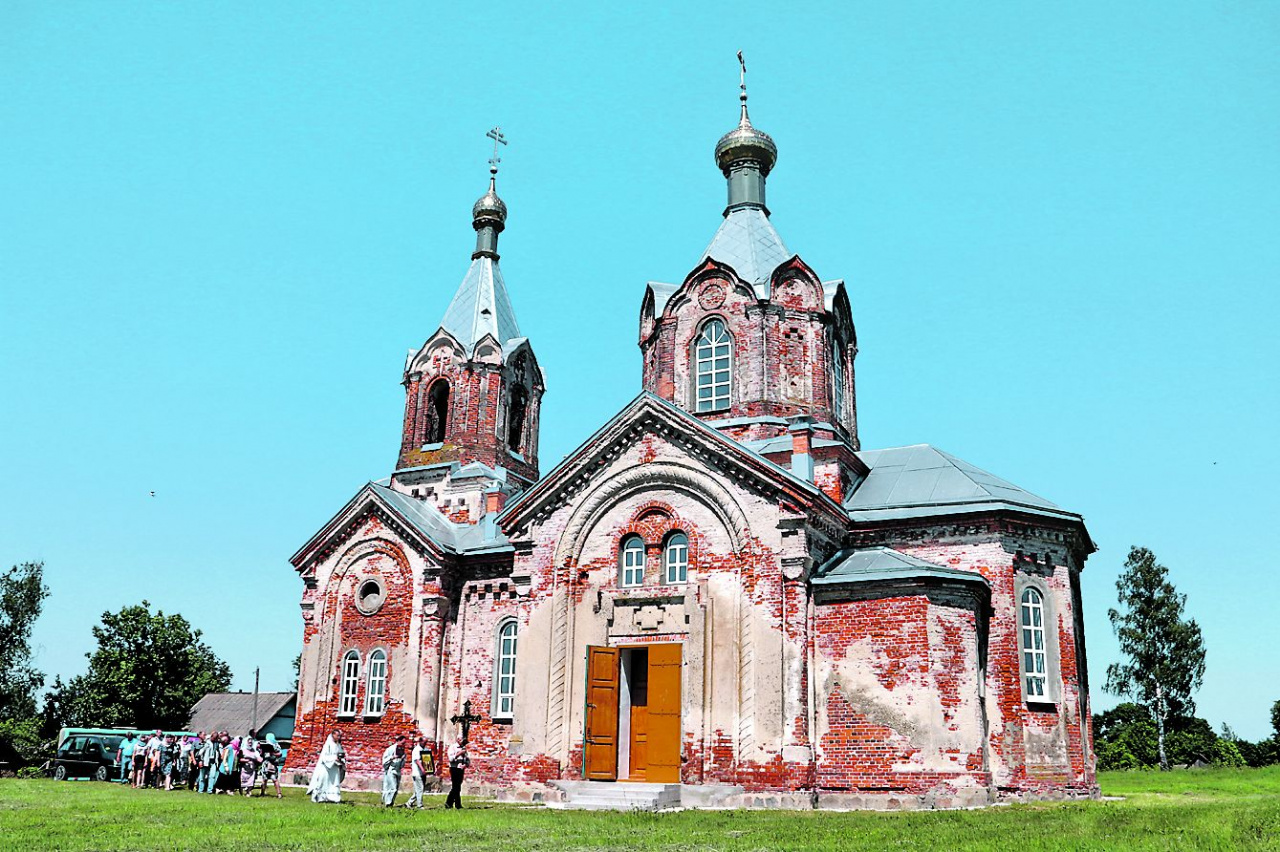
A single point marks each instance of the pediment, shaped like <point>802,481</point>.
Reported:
<point>704,448</point>
<point>369,502</point>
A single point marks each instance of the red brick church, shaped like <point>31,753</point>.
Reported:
<point>720,588</point>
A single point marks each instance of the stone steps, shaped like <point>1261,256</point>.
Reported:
<point>618,796</point>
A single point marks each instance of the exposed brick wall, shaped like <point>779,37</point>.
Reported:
<point>894,713</point>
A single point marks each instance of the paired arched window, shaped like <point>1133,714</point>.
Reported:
<point>675,559</point>
<point>375,694</point>
<point>504,680</point>
<point>837,379</point>
<point>350,684</point>
<point>632,561</point>
<point>1034,656</point>
<point>437,411</point>
<point>516,409</point>
<point>712,360</point>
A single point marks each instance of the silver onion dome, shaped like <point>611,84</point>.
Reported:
<point>744,142</point>
<point>489,207</point>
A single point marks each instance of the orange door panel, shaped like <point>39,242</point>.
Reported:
<point>639,743</point>
<point>600,752</point>
<point>664,714</point>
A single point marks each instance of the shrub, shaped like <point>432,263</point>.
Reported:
<point>1225,753</point>
<point>1115,755</point>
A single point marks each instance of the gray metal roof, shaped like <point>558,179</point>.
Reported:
<point>481,306</point>
<point>748,242</point>
<point>233,711</point>
<point>872,564</point>
<point>921,480</point>
<point>431,522</point>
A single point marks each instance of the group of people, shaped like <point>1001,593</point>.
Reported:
<point>206,763</point>
<point>331,769</point>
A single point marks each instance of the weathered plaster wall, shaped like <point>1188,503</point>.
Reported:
<point>897,695</point>
<point>333,625</point>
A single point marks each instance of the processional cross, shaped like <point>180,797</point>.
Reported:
<point>465,719</point>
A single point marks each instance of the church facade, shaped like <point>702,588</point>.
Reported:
<point>720,588</point>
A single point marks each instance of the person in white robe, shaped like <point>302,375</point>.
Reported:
<point>330,769</point>
<point>392,767</point>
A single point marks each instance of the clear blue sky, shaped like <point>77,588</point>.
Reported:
<point>222,226</point>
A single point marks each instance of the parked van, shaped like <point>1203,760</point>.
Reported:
<point>92,752</point>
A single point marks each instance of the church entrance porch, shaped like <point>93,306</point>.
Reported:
<point>633,714</point>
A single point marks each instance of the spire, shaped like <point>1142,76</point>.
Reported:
<point>489,215</point>
<point>745,156</point>
<point>482,306</point>
<point>746,240</point>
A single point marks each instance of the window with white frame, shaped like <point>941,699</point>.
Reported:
<point>1034,657</point>
<point>837,379</point>
<point>375,694</point>
<point>675,559</point>
<point>632,561</point>
<point>504,685</point>
<point>350,684</point>
<point>711,354</point>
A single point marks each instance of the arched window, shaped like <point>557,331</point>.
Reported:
<point>675,559</point>
<point>375,692</point>
<point>837,379</point>
<point>437,411</point>
<point>632,561</point>
<point>1034,668</point>
<point>504,680</point>
<point>350,683</point>
<point>516,408</point>
<point>711,356</point>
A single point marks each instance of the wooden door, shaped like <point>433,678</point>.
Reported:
<point>638,686</point>
<point>600,751</point>
<point>664,714</point>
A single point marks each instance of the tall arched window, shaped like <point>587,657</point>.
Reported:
<point>437,411</point>
<point>516,408</point>
<point>712,359</point>
<point>837,378</point>
<point>632,561</point>
<point>350,684</point>
<point>675,559</point>
<point>504,680</point>
<point>375,693</point>
<point>1034,661</point>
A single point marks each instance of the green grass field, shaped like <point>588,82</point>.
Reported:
<point>1209,809</point>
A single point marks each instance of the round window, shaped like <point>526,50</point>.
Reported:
<point>369,596</point>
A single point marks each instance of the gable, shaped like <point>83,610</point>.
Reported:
<point>703,446</point>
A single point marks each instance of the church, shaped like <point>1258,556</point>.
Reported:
<point>720,591</point>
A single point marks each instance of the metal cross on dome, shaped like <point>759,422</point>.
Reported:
<point>498,139</point>
<point>466,717</point>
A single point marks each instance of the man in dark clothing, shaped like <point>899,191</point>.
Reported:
<point>458,763</point>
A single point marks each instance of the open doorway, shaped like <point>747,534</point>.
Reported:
<point>633,713</point>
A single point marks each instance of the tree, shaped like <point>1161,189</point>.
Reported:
<point>1275,720</point>
<point>22,594</point>
<point>1165,652</point>
<point>147,672</point>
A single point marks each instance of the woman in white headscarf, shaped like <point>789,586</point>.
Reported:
<point>331,766</point>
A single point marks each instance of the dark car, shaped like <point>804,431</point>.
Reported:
<point>87,757</point>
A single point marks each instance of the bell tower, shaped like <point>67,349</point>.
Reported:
<point>473,390</point>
